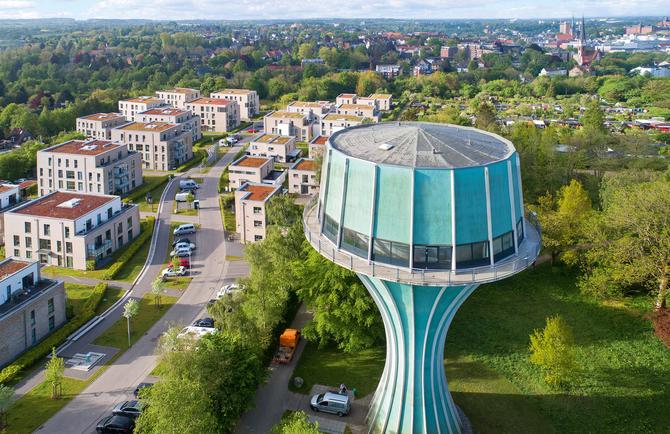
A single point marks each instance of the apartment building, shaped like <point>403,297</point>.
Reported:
<point>384,100</point>
<point>368,101</point>
<point>250,217</point>
<point>67,229</point>
<point>314,110</point>
<point>361,110</point>
<point>258,170</point>
<point>99,125</point>
<point>248,101</point>
<point>31,307</point>
<point>170,115</point>
<point>346,98</point>
<point>10,196</point>
<point>302,177</point>
<point>219,115</point>
<point>334,122</point>
<point>93,166</point>
<point>317,146</point>
<point>130,107</point>
<point>280,148</point>
<point>286,123</point>
<point>178,97</point>
<point>162,146</point>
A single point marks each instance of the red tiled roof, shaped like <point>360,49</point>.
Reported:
<point>81,147</point>
<point>4,188</point>
<point>321,140</point>
<point>259,192</point>
<point>252,162</point>
<point>305,164</point>
<point>48,206</point>
<point>28,183</point>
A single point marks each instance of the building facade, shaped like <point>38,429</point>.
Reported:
<point>286,123</point>
<point>250,216</point>
<point>178,97</point>
<point>384,100</point>
<point>67,229</point>
<point>302,177</point>
<point>280,148</point>
<point>218,115</point>
<point>182,117</point>
<point>248,101</point>
<point>361,110</point>
<point>334,122</point>
<point>94,166</point>
<point>130,107</point>
<point>99,125</point>
<point>162,146</point>
<point>249,169</point>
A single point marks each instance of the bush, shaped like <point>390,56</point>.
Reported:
<point>145,235</point>
<point>39,351</point>
<point>198,156</point>
<point>552,349</point>
<point>90,264</point>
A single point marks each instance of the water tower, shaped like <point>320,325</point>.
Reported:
<point>423,213</point>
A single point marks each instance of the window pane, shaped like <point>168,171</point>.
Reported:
<point>330,228</point>
<point>355,242</point>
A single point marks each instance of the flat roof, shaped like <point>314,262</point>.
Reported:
<point>144,99</point>
<point>346,95</point>
<point>320,140</point>
<point>258,192</point>
<point>7,187</point>
<point>286,114</point>
<point>149,126</point>
<point>422,144</point>
<point>82,147</point>
<point>236,91</point>
<point>381,95</point>
<point>305,164</point>
<point>10,266</point>
<point>102,116</point>
<point>312,104</point>
<point>64,205</point>
<point>247,161</point>
<point>342,117</point>
<point>273,138</point>
<point>211,101</point>
<point>179,90</point>
<point>165,111</point>
<point>355,106</point>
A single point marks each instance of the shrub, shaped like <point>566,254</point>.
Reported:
<point>198,156</point>
<point>90,264</point>
<point>145,235</point>
<point>552,349</point>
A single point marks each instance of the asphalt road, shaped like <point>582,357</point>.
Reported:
<point>210,271</point>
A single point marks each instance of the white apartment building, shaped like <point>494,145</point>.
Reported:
<point>280,148</point>
<point>178,96</point>
<point>219,115</point>
<point>249,169</point>
<point>334,122</point>
<point>99,125</point>
<point>250,217</point>
<point>346,98</point>
<point>130,107</point>
<point>162,146</point>
<point>302,177</point>
<point>248,101</point>
<point>170,115</point>
<point>286,123</point>
<point>360,110</point>
<point>67,229</point>
<point>384,100</point>
<point>10,196</point>
<point>313,109</point>
<point>317,146</point>
<point>93,166</point>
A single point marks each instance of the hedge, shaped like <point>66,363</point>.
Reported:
<point>145,236</point>
<point>198,156</point>
<point>39,351</point>
<point>141,192</point>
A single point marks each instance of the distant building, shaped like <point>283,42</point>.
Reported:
<point>286,123</point>
<point>639,29</point>
<point>313,109</point>
<point>302,177</point>
<point>565,28</point>
<point>315,60</point>
<point>250,216</point>
<point>346,98</point>
<point>657,71</point>
<point>278,147</point>
<point>31,308</point>
<point>361,110</point>
<point>248,101</point>
<point>10,197</point>
<point>384,100</point>
<point>317,147</point>
<point>162,146</point>
<point>558,72</point>
<point>94,166</point>
<point>178,97</point>
<point>388,71</point>
<point>216,114</point>
<point>129,107</point>
<point>334,122</point>
<point>67,229</point>
<point>448,52</point>
<point>99,125</point>
<point>182,117</point>
<point>259,170</point>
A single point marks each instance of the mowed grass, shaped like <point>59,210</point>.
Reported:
<point>159,185</point>
<point>178,283</point>
<point>117,335</point>
<point>111,295</point>
<point>77,295</point>
<point>623,384</point>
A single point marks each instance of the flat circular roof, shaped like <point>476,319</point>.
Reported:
<point>422,144</point>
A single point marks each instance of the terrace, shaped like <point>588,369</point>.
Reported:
<point>27,294</point>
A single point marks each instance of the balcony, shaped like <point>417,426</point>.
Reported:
<point>124,208</point>
<point>24,296</point>
<point>529,249</point>
<point>93,250</point>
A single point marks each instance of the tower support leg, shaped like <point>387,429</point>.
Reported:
<point>412,396</point>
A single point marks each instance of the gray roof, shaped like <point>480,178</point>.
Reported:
<point>422,144</point>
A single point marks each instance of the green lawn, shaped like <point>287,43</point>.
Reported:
<point>159,183</point>
<point>178,283</point>
<point>184,209</point>
<point>117,335</point>
<point>623,385</point>
<point>77,295</point>
<point>112,293</point>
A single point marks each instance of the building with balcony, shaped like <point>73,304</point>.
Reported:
<point>258,170</point>
<point>314,110</point>
<point>384,100</point>
<point>162,146</point>
<point>250,218</point>
<point>99,125</point>
<point>317,147</point>
<point>302,178</point>
<point>218,115</point>
<point>334,122</point>
<point>170,115</point>
<point>67,229</point>
<point>280,148</point>
<point>286,123</point>
<point>130,107</point>
<point>31,308</point>
<point>178,97</point>
<point>364,111</point>
<point>346,98</point>
<point>93,166</point>
<point>248,101</point>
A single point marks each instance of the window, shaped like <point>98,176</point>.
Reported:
<point>519,231</point>
<point>17,240</point>
<point>503,246</point>
<point>390,252</point>
<point>258,223</point>
<point>32,317</point>
<point>45,244</point>
<point>258,210</point>
<point>26,227</point>
<point>50,306</point>
<point>17,253</point>
<point>355,242</point>
<point>472,255</point>
<point>129,222</point>
<point>47,230</point>
<point>52,323</point>
<point>67,232</point>
<point>68,261</point>
<point>432,257</point>
<point>59,246</point>
<point>68,247</point>
<point>330,228</point>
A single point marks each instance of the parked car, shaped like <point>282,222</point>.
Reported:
<point>252,130</point>
<point>116,424</point>
<point>182,253</point>
<point>196,332</point>
<point>184,245</point>
<point>184,229</point>
<point>185,262</point>
<point>171,272</point>
<point>229,289</point>
<point>130,409</point>
<point>204,322</point>
<point>188,184</point>
<point>331,402</point>
<point>180,240</point>
<point>136,392</point>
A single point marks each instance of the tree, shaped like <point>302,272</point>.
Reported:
<point>130,310</point>
<point>368,82</point>
<point>54,374</point>
<point>485,116</point>
<point>157,287</point>
<point>553,351</point>
<point>176,263</point>
<point>6,399</point>
<point>630,242</point>
<point>296,423</point>
<point>283,211</point>
<point>190,197</point>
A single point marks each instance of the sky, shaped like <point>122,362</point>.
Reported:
<point>296,9</point>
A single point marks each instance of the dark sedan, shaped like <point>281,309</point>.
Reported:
<point>130,409</point>
<point>116,424</point>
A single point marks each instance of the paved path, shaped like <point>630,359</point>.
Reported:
<point>90,281</point>
<point>211,270</point>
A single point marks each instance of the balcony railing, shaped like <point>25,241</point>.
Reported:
<point>529,249</point>
<point>124,208</point>
<point>94,250</point>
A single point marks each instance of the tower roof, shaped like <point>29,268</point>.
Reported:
<point>422,144</point>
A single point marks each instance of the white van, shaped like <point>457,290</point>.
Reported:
<point>330,402</point>
<point>182,197</point>
<point>188,184</point>
<point>184,229</point>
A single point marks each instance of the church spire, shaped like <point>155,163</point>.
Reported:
<point>582,36</point>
